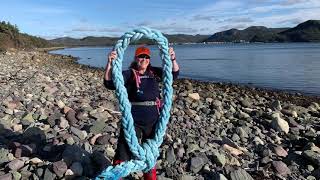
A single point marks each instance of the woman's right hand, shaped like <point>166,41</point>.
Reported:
<point>112,56</point>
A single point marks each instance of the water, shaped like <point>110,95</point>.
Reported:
<point>293,66</point>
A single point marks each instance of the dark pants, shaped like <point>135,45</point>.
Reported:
<point>143,133</point>
<point>123,152</point>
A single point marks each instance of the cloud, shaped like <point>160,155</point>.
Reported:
<point>289,19</point>
<point>292,2</point>
<point>175,29</point>
<point>93,29</point>
<point>238,20</point>
<point>144,23</point>
<point>110,29</point>
<point>83,29</point>
<point>228,27</point>
<point>207,18</point>
<point>226,14</point>
<point>200,17</point>
<point>83,20</point>
<point>287,5</point>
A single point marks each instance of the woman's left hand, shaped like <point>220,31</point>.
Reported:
<point>172,54</point>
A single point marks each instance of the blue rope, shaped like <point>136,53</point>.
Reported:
<point>146,154</point>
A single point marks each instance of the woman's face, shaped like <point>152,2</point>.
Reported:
<point>143,61</point>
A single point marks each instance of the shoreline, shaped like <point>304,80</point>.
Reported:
<point>58,121</point>
<point>260,90</point>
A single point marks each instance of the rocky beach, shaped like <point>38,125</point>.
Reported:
<point>58,121</point>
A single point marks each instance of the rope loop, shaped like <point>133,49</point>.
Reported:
<point>146,154</point>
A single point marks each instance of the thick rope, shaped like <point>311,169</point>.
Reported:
<point>146,154</point>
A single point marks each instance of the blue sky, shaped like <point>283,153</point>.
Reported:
<point>79,18</point>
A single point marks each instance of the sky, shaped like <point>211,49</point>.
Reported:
<point>51,19</point>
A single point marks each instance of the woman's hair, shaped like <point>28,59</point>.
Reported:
<point>134,65</point>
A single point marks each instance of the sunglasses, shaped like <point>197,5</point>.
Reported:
<point>144,56</point>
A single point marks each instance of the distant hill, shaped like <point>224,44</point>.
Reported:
<point>253,33</point>
<point>87,41</point>
<point>108,41</point>
<point>308,31</point>
<point>10,37</point>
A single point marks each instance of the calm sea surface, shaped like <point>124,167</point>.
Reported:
<point>292,66</point>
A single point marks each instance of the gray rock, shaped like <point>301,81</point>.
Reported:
<point>242,133</point>
<point>163,178</point>
<point>80,134</point>
<point>16,175</point>
<point>192,147</point>
<point>279,151</point>
<point>289,113</point>
<point>245,103</point>
<point>27,119</point>
<point>16,164</point>
<point>180,152</point>
<point>81,115</point>
<point>197,163</point>
<point>280,124</point>
<point>7,176</point>
<point>187,177</point>
<point>104,139</point>
<point>110,152</point>
<point>71,117</point>
<point>242,115</point>
<point>312,156</point>
<point>258,141</point>
<point>54,118</point>
<point>48,175</point>
<point>311,178</point>
<point>240,174</point>
<point>59,167</point>
<point>39,172</point>
<point>170,156</point>
<point>70,141</point>
<point>77,168</point>
<point>60,104</point>
<point>25,174</point>
<point>217,103</point>
<point>310,168</point>
<point>98,127</point>
<point>6,122</point>
<point>4,156</point>
<point>113,140</point>
<point>100,116</point>
<point>219,158</point>
<point>87,147</point>
<point>276,105</point>
<point>63,123</point>
<point>281,168</point>
<point>235,137</point>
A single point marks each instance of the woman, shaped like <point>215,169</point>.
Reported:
<point>142,83</point>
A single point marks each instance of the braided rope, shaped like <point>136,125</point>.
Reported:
<point>146,154</point>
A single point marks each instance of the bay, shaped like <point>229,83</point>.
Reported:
<point>286,66</point>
